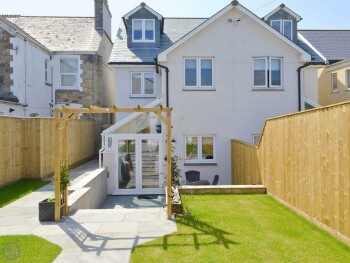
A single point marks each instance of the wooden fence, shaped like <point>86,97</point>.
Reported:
<point>304,160</point>
<point>27,147</point>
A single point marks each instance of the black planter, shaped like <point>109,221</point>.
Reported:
<point>47,211</point>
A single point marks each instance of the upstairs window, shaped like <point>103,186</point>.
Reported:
<point>143,30</point>
<point>285,27</point>
<point>348,79</point>
<point>267,72</point>
<point>47,72</point>
<point>69,73</point>
<point>142,84</point>
<point>199,73</point>
<point>334,82</point>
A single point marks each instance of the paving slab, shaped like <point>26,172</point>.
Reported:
<point>97,235</point>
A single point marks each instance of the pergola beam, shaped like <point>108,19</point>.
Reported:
<point>60,129</point>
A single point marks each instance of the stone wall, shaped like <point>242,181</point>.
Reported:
<point>5,60</point>
<point>91,94</point>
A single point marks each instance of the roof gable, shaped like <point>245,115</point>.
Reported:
<point>138,8</point>
<point>305,56</point>
<point>285,9</point>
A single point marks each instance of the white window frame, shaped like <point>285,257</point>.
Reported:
<point>143,39</point>
<point>291,28</point>
<point>47,76</point>
<point>200,160</point>
<point>334,84</point>
<point>198,85</point>
<point>265,86</point>
<point>142,84</point>
<point>270,72</point>
<point>347,73</point>
<point>76,87</point>
<point>282,21</point>
<point>268,78</point>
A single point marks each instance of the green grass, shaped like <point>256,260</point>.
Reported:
<point>241,228</point>
<point>11,193</point>
<point>32,249</point>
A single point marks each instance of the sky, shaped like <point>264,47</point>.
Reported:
<point>316,14</point>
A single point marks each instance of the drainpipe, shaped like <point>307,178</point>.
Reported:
<point>167,78</point>
<point>299,84</point>
<point>25,78</point>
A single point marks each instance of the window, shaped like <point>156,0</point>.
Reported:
<point>348,79</point>
<point>256,139</point>
<point>200,149</point>
<point>285,27</point>
<point>199,73</point>
<point>46,71</point>
<point>267,72</point>
<point>143,30</point>
<point>142,84</point>
<point>69,73</point>
<point>334,82</point>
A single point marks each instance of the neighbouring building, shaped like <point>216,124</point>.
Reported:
<point>332,78</point>
<point>223,76</point>
<point>54,61</point>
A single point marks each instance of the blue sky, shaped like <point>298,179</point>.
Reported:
<point>317,14</point>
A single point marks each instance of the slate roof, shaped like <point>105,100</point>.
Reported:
<point>174,29</point>
<point>333,44</point>
<point>61,33</point>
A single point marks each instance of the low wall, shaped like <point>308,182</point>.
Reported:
<point>89,192</point>
<point>222,189</point>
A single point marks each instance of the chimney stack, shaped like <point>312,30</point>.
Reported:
<point>103,17</point>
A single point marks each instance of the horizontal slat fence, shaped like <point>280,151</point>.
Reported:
<point>304,160</point>
<point>27,147</point>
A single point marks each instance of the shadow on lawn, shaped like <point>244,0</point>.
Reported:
<point>201,230</point>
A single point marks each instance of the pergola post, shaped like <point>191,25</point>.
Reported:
<point>169,159</point>
<point>57,185</point>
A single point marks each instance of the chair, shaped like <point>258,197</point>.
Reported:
<point>192,176</point>
<point>216,180</point>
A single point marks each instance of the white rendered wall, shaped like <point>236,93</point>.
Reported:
<point>233,110</point>
<point>310,83</point>
<point>30,87</point>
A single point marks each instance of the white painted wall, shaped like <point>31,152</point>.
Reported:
<point>310,82</point>
<point>233,110</point>
<point>29,79</point>
<point>123,87</point>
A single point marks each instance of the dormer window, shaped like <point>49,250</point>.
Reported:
<point>284,27</point>
<point>143,30</point>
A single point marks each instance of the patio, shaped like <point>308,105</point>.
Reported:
<point>108,235</point>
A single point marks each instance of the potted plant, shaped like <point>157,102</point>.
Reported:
<point>47,206</point>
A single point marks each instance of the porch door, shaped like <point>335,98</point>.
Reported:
<point>138,165</point>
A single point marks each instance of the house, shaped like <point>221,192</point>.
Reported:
<point>333,78</point>
<point>223,76</point>
<point>55,61</point>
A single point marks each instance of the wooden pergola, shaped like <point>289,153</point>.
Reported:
<point>65,116</point>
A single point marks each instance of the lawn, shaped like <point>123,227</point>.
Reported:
<point>11,193</point>
<point>241,228</point>
<point>32,249</point>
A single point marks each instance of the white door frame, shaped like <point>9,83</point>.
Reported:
<point>138,168</point>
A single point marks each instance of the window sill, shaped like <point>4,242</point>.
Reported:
<point>347,89</point>
<point>69,89</point>
<point>199,89</point>
<point>144,41</point>
<point>334,91</point>
<point>200,164</point>
<point>48,84</point>
<point>142,96</point>
<point>267,89</point>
